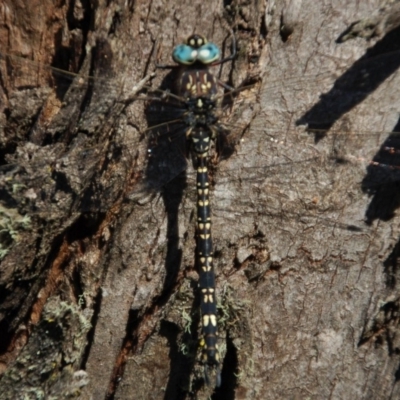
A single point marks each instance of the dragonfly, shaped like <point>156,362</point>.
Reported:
<point>257,189</point>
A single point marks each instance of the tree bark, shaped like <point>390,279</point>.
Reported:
<point>98,292</point>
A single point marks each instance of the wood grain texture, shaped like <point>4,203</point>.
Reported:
<point>308,305</point>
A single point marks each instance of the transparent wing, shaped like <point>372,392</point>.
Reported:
<point>267,153</point>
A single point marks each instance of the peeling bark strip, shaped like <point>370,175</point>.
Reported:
<point>308,291</point>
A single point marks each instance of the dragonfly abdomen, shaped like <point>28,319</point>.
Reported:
<point>201,139</point>
<point>199,88</point>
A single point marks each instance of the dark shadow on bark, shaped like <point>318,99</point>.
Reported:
<point>383,331</point>
<point>178,377</point>
<point>359,81</point>
<point>391,265</point>
<point>165,171</point>
<point>397,374</point>
<point>172,196</point>
<point>228,374</point>
<point>382,181</point>
<point>392,271</point>
<point>166,137</point>
<point>181,364</point>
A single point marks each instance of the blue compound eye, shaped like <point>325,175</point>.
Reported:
<point>208,53</point>
<point>184,54</point>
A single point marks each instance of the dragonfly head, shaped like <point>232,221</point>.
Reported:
<point>196,49</point>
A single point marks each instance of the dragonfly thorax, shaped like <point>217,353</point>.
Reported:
<point>196,82</point>
<point>200,112</point>
<point>199,88</point>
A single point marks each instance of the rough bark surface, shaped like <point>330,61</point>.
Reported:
<point>98,292</point>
